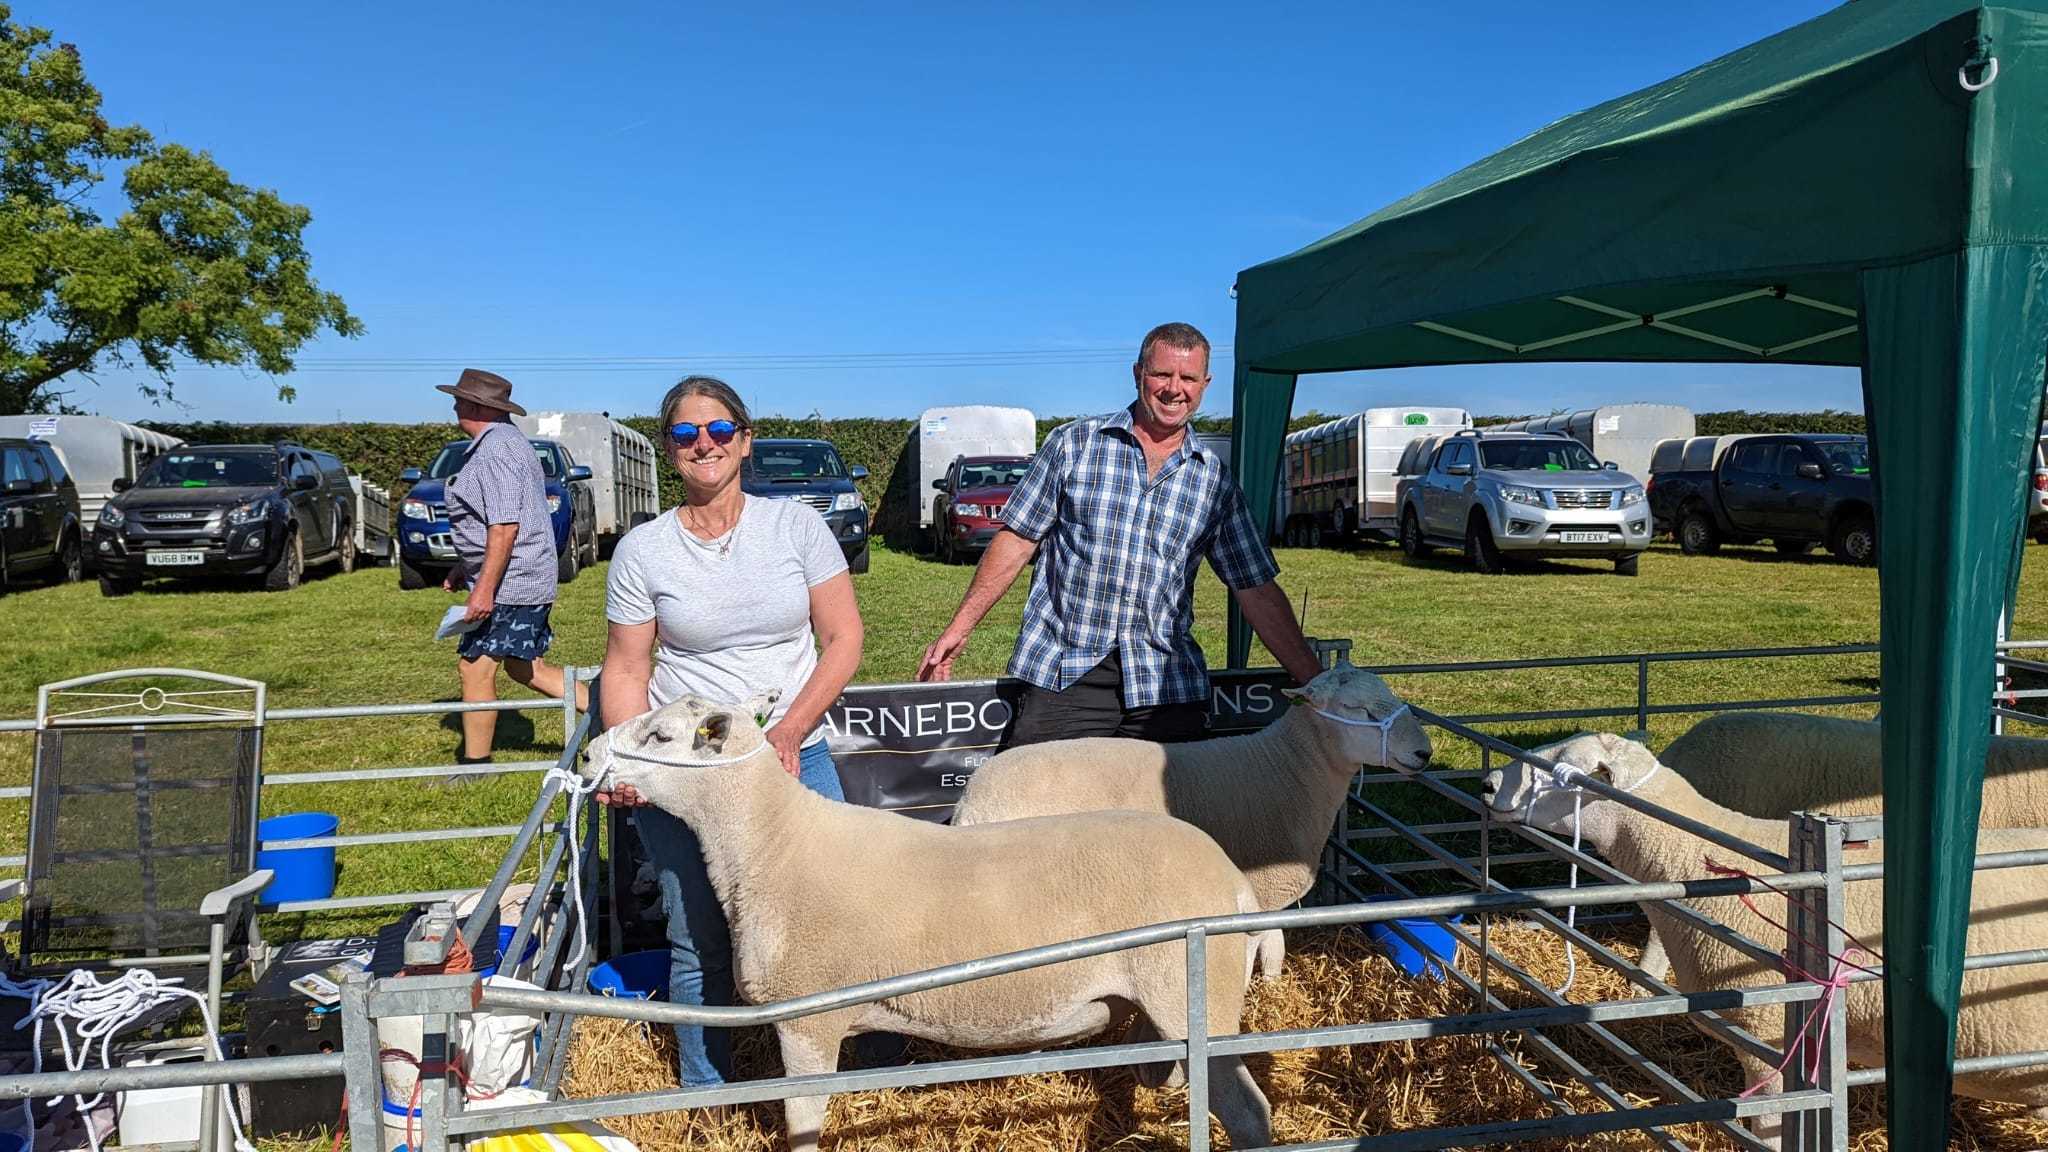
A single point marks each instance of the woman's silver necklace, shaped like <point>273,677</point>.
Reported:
<point>725,544</point>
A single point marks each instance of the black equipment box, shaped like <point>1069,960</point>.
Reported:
<point>282,1021</point>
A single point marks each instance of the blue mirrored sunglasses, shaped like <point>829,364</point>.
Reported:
<point>720,431</point>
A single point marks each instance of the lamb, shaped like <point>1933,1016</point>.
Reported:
<point>2003,1009</point>
<point>1269,798</point>
<point>1772,764</point>
<point>822,895</point>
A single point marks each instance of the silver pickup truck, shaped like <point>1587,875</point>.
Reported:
<point>1510,495</point>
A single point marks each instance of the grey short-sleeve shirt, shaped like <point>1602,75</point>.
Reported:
<point>733,614</point>
<point>501,483</point>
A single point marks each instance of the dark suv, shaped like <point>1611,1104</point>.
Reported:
<point>39,528</point>
<point>266,510</point>
<point>811,471</point>
<point>968,511</point>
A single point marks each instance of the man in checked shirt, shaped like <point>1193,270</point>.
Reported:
<point>1121,510</point>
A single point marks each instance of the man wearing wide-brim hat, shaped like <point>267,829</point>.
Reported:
<point>505,549</point>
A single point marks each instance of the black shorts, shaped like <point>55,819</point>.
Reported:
<point>1094,706</point>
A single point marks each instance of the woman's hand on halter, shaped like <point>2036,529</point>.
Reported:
<point>788,743</point>
<point>621,797</point>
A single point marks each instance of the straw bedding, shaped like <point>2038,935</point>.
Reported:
<point>1332,977</point>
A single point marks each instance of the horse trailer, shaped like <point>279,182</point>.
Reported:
<point>1625,434</point>
<point>1338,478</point>
<point>622,466</point>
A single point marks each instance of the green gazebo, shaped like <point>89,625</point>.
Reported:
<point>1869,188</point>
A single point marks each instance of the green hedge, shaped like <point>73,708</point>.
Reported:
<point>381,451</point>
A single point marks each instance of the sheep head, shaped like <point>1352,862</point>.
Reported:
<point>1365,718</point>
<point>666,754</point>
<point>1522,793</point>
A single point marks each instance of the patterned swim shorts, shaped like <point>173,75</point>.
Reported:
<point>513,632</point>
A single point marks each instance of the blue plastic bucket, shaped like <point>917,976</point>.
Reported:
<point>1440,947</point>
<point>639,975</point>
<point>302,873</point>
<point>505,934</point>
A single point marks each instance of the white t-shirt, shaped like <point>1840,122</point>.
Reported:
<point>733,615</point>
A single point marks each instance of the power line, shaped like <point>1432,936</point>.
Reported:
<point>765,362</point>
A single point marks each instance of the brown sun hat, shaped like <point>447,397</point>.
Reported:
<point>486,388</point>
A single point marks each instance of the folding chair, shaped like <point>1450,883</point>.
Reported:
<point>142,832</point>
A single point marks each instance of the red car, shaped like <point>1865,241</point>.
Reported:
<point>968,509</point>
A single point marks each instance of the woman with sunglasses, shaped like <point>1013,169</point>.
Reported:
<point>727,596</point>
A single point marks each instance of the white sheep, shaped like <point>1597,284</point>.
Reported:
<point>1771,764</point>
<point>2003,1009</point>
<point>1270,797</point>
<point>822,895</point>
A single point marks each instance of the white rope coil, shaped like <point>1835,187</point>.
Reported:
<point>84,1010</point>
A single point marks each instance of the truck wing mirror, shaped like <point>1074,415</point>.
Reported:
<point>1810,470</point>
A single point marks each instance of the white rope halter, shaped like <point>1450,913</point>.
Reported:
<point>1385,726</point>
<point>577,789</point>
<point>1566,779</point>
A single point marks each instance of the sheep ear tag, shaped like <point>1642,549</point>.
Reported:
<point>712,732</point>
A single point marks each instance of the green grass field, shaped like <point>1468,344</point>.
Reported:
<point>357,639</point>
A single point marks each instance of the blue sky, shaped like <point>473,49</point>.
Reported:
<point>859,210</point>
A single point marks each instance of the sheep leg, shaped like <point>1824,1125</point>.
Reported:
<point>1269,952</point>
<point>1236,1100</point>
<point>1154,1076</point>
<point>1654,960</point>
<point>1769,1129</point>
<point>1234,1097</point>
<point>807,1052</point>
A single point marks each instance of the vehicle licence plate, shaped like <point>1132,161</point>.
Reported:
<point>1582,537</point>
<point>164,559</point>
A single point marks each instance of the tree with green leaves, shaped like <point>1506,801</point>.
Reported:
<point>195,266</point>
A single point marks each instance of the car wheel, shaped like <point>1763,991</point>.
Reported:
<point>2041,537</point>
<point>1855,540</point>
<point>409,575</point>
<point>114,586</point>
<point>566,566</point>
<point>347,562</point>
<point>1480,548</point>
<point>1696,534</point>
<point>70,560</point>
<point>290,568</point>
<point>859,564</point>
<point>1792,547</point>
<point>1412,543</point>
<point>1626,566</point>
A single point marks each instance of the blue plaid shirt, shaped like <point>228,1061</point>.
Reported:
<point>1117,558</point>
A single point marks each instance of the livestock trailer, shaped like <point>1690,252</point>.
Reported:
<point>375,543</point>
<point>96,451</point>
<point>965,430</point>
<point>1623,433</point>
<point>622,466</point>
<point>1338,478</point>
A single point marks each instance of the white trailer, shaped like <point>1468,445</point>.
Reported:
<point>1338,478</point>
<point>1626,434</point>
<point>944,434</point>
<point>96,451</point>
<point>621,462</point>
<point>374,542</point>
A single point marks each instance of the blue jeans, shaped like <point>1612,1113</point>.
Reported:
<point>700,944</point>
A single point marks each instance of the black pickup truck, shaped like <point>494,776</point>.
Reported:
<point>1794,490</point>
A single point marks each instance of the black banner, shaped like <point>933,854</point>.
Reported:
<point>910,748</point>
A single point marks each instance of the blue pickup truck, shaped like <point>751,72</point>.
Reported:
<point>426,549</point>
<point>812,472</point>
